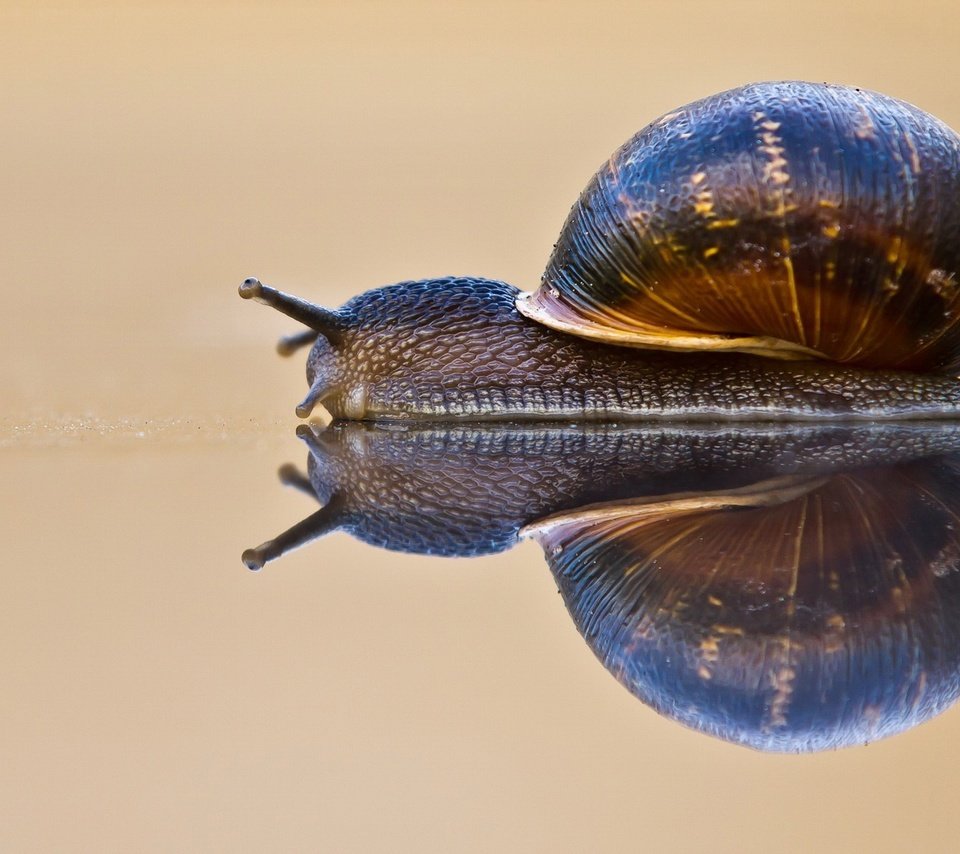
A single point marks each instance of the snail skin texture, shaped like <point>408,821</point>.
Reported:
<point>779,251</point>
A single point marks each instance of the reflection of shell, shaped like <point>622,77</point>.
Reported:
<point>797,614</point>
<point>773,218</point>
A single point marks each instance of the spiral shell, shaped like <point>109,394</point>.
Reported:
<point>788,219</point>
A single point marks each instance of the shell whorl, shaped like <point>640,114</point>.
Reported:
<point>787,219</point>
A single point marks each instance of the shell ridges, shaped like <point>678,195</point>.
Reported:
<point>789,219</point>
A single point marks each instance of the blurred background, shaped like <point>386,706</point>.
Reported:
<point>157,696</point>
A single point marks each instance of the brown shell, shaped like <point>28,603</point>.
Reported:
<point>788,219</point>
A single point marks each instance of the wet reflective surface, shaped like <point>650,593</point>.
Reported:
<point>791,588</point>
<point>139,652</point>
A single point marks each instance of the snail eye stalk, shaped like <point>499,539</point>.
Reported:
<point>327,323</point>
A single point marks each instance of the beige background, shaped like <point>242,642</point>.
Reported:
<point>156,696</point>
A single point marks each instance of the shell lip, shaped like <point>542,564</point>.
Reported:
<point>544,310</point>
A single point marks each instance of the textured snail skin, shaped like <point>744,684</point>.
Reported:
<point>458,349</point>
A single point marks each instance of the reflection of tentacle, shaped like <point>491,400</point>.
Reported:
<point>290,475</point>
<point>321,442</point>
<point>328,518</point>
<point>801,621</point>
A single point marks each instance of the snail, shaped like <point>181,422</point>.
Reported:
<point>778,251</point>
<point>785,587</point>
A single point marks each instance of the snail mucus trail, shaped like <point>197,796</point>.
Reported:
<point>779,251</point>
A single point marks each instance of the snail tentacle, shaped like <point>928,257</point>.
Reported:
<point>328,323</point>
<point>289,344</point>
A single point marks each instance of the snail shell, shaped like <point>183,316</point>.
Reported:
<point>784,219</point>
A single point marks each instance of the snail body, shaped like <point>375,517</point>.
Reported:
<point>779,251</point>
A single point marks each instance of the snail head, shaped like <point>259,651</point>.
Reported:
<point>329,333</point>
<point>409,347</point>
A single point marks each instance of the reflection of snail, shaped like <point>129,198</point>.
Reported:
<point>793,588</point>
<point>784,221</point>
<point>465,491</point>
